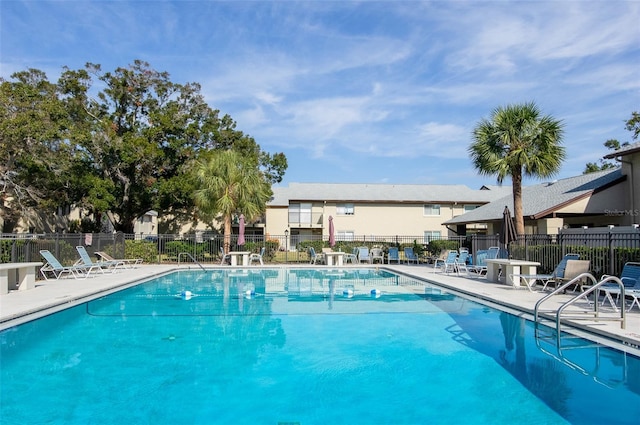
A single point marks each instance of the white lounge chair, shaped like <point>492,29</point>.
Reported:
<point>448,264</point>
<point>85,260</point>
<point>478,269</point>
<point>557,276</point>
<point>130,262</point>
<point>460,263</point>
<point>53,268</point>
<point>630,277</point>
<point>257,257</point>
<point>224,258</point>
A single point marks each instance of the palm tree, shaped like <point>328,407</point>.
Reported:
<point>230,183</point>
<point>518,141</point>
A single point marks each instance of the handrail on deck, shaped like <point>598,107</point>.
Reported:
<point>190,256</point>
<point>596,287</point>
<point>561,288</point>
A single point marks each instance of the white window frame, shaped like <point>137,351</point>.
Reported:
<point>345,209</point>
<point>302,211</point>
<point>430,235</point>
<point>345,235</point>
<point>430,210</point>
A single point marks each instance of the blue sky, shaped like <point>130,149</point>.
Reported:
<point>361,92</point>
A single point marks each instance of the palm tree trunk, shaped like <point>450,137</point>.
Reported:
<point>227,233</point>
<point>516,179</point>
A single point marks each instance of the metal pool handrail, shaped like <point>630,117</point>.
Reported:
<point>190,256</point>
<point>536,310</point>
<point>585,294</point>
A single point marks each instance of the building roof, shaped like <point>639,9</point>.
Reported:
<point>543,199</point>
<point>384,193</point>
<point>625,150</point>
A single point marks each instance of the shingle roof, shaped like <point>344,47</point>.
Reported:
<point>542,199</point>
<point>344,192</point>
<point>625,150</point>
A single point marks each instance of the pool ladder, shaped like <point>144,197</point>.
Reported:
<point>584,315</point>
<point>190,256</point>
<point>560,350</point>
<point>565,342</point>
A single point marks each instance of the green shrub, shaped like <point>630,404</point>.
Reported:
<point>436,246</point>
<point>305,245</point>
<point>146,250</point>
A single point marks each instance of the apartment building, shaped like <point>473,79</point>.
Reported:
<point>373,210</point>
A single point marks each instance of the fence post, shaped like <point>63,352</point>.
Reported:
<point>612,267</point>
<point>14,251</point>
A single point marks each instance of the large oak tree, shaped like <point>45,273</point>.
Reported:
<point>125,140</point>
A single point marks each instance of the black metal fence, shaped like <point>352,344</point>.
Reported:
<point>607,249</point>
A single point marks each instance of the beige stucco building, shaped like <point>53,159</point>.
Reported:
<point>590,200</point>
<point>372,211</point>
<point>629,159</point>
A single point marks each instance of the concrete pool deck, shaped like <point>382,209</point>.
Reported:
<point>53,295</point>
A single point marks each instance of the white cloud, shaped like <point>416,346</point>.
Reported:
<point>351,83</point>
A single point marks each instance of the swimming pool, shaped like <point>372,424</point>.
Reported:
<point>302,346</point>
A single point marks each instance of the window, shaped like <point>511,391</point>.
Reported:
<point>345,235</point>
<point>300,213</point>
<point>432,209</point>
<point>344,209</point>
<point>468,208</point>
<point>64,210</point>
<point>430,235</point>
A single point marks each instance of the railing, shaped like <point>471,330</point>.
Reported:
<point>558,289</point>
<point>607,252</point>
<point>573,343</point>
<point>306,220</point>
<point>186,254</point>
<point>592,315</point>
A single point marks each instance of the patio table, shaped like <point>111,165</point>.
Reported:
<point>511,267</point>
<point>240,254</point>
<point>330,258</point>
<point>26,275</point>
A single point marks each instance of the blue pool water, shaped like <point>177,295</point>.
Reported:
<point>291,346</point>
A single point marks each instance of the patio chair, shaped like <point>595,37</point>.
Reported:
<point>574,269</point>
<point>377,254</point>
<point>410,256</point>
<point>314,257</point>
<point>448,264</point>
<point>224,258</point>
<point>480,267</point>
<point>85,260</point>
<point>131,262</point>
<point>393,255</point>
<point>460,262</point>
<point>257,257</point>
<point>557,276</point>
<point>493,252</point>
<point>630,277</point>
<point>350,258</point>
<point>53,268</point>
<point>363,255</point>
